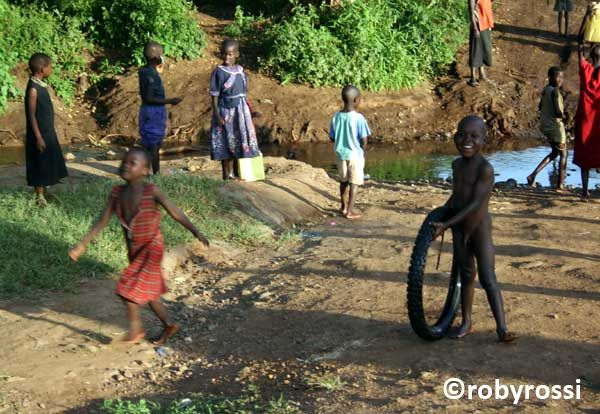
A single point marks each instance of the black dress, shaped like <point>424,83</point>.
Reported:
<point>48,167</point>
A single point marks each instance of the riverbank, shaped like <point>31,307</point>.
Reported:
<point>328,308</point>
<point>525,45</point>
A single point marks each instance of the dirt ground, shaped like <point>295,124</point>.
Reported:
<point>335,302</point>
<point>331,304</point>
<point>525,45</point>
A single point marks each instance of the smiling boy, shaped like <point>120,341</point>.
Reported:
<point>471,224</point>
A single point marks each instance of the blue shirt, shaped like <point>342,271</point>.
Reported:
<point>348,131</point>
<point>229,84</point>
<point>150,81</point>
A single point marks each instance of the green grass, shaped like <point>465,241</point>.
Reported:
<point>326,382</point>
<point>248,403</point>
<point>35,241</point>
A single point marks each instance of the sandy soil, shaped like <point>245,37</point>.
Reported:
<point>333,303</point>
<point>525,45</point>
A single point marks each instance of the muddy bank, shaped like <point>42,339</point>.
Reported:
<point>524,45</point>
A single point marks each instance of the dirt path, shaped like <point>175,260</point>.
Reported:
<point>334,303</point>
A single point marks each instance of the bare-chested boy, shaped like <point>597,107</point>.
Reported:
<point>471,224</point>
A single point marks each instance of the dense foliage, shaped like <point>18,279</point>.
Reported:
<point>375,44</point>
<point>32,30</point>
<point>128,24</point>
<point>67,30</point>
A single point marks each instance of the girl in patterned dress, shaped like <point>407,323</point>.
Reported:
<point>136,204</point>
<point>232,134</point>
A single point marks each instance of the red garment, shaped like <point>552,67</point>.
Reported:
<point>485,14</point>
<point>142,281</point>
<point>587,119</point>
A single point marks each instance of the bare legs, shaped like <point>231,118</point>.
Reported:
<point>39,196</point>
<point>560,20</point>
<point>229,169</point>
<point>482,75</point>
<point>348,192</point>
<point>558,150</point>
<point>478,247</point>
<point>585,177</point>
<point>136,330</point>
<point>154,151</point>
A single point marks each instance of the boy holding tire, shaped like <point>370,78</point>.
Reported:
<point>471,224</point>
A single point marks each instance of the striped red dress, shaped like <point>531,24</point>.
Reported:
<point>142,281</point>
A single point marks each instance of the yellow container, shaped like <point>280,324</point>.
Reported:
<point>252,169</point>
<point>592,27</point>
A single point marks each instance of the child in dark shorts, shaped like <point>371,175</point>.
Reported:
<point>552,125</point>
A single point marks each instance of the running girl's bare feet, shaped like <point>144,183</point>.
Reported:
<point>167,333</point>
<point>352,216</point>
<point>133,338</point>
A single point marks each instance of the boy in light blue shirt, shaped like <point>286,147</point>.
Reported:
<point>349,132</point>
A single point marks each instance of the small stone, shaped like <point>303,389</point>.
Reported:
<point>552,316</point>
<point>532,265</point>
<point>71,374</point>
<point>69,156</point>
<point>89,347</point>
<point>188,339</point>
<point>119,378</point>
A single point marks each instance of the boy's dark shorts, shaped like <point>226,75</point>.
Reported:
<point>480,49</point>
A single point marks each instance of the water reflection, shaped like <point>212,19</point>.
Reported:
<point>391,163</point>
<point>388,163</point>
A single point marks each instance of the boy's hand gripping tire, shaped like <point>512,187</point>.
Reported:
<point>416,272</point>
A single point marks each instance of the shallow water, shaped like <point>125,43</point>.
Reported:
<point>391,163</point>
<point>385,162</point>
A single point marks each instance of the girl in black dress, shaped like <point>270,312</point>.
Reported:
<point>45,162</point>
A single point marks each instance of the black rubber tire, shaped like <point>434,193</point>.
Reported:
<point>418,261</point>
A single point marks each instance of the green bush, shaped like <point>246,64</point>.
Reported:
<point>65,29</point>
<point>304,51</point>
<point>374,44</point>
<point>38,30</point>
<point>128,24</point>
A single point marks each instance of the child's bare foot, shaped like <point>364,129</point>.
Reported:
<point>530,180</point>
<point>41,201</point>
<point>167,333</point>
<point>506,337</point>
<point>472,82</point>
<point>462,331</point>
<point>352,216</point>
<point>133,338</point>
